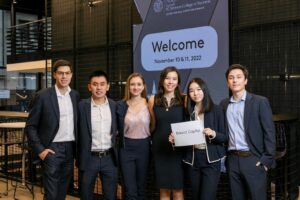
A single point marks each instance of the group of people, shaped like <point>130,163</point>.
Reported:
<point>105,136</point>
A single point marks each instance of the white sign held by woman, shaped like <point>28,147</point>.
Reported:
<point>187,133</point>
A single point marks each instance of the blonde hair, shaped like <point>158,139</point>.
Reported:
<point>127,94</point>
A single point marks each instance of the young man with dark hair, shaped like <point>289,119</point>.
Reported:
<point>97,139</point>
<point>52,129</point>
<point>251,146</point>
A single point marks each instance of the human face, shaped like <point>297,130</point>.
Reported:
<point>98,86</point>
<point>236,81</point>
<point>136,86</point>
<point>170,82</point>
<point>196,93</point>
<point>62,76</point>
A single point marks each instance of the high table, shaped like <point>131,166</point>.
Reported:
<point>12,133</point>
<point>13,114</point>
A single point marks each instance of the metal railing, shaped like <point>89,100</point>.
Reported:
<point>27,38</point>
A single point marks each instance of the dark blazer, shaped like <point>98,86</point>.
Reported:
<point>122,108</point>
<point>43,120</point>
<point>85,133</point>
<point>216,146</point>
<point>259,128</point>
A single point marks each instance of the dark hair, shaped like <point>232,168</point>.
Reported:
<point>127,95</point>
<point>161,89</point>
<point>207,103</point>
<point>60,63</point>
<point>98,73</point>
<point>237,66</point>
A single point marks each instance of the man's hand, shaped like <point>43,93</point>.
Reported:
<point>44,153</point>
<point>259,163</point>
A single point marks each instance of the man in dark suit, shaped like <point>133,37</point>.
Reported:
<point>97,139</point>
<point>51,131</point>
<point>251,147</point>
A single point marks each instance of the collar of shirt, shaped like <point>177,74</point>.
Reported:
<point>58,92</point>
<point>232,100</point>
<point>95,105</point>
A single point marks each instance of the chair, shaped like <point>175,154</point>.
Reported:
<point>279,175</point>
<point>281,145</point>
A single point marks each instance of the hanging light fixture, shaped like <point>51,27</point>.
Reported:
<point>91,3</point>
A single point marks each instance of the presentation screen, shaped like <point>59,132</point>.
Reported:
<point>192,35</point>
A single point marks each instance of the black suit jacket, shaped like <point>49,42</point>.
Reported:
<point>43,120</point>
<point>259,128</point>
<point>85,133</point>
<point>215,147</point>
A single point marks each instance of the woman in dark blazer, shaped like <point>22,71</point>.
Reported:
<point>204,159</point>
<point>134,132</point>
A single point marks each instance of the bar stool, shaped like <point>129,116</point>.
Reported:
<point>279,175</point>
<point>10,133</point>
<point>24,150</point>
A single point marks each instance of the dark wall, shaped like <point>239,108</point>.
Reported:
<point>265,37</point>
<point>94,37</point>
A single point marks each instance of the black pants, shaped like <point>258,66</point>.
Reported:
<point>246,179</point>
<point>134,160</point>
<point>108,175</point>
<point>58,170</point>
<point>204,177</point>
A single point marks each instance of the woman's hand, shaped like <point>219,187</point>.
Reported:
<point>209,133</point>
<point>171,138</point>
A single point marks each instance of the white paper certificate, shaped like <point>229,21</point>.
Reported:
<point>187,133</point>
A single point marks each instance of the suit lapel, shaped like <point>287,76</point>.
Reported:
<point>225,106</point>
<point>74,105</point>
<point>54,101</point>
<point>112,110</point>
<point>88,112</point>
<point>247,111</point>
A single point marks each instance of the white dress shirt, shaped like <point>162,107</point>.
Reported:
<point>101,126</point>
<point>65,131</point>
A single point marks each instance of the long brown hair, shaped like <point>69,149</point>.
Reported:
<point>161,89</point>
<point>127,94</point>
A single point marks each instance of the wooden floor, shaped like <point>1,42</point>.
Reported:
<point>23,193</point>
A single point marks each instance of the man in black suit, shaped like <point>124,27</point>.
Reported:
<point>251,147</point>
<point>51,131</point>
<point>97,136</point>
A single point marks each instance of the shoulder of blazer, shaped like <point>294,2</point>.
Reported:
<point>84,101</point>
<point>224,103</point>
<point>250,96</point>
<point>46,92</point>
<point>75,93</point>
<point>122,107</point>
<point>255,97</point>
<point>211,114</point>
<point>111,102</point>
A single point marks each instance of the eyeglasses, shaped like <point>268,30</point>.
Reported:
<point>60,73</point>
